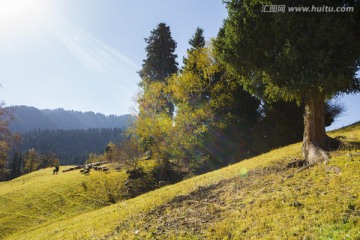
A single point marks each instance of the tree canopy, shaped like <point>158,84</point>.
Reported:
<point>292,55</point>
<point>307,57</point>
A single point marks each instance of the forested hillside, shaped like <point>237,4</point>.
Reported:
<point>46,148</point>
<point>49,137</point>
<point>30,118</point>
<point>70,146</point>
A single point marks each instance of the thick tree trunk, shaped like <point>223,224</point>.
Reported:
<point>315,140</point>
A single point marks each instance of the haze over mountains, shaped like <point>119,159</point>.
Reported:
<point>30,118</point>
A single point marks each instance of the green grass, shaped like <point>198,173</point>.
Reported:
<point>257,198</point>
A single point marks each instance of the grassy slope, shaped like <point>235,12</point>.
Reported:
<point>256,198</point>
<point>39,198</point>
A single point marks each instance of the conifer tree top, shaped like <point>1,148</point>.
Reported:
<point>160,62</point>
<point>198,39</point>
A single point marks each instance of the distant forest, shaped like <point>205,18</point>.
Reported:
<point>70,146</point>
<point>68,136</point>
<point>29,118</point>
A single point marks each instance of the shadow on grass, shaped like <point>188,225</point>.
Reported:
<point>349,145</point>
<point>341,143</point>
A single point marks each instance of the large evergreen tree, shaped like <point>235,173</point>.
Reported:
<point>160,62</point>
<point>307,57</point>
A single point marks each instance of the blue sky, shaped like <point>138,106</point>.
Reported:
<point>84,54</point>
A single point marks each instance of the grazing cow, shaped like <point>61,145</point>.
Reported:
<point>56,170</point>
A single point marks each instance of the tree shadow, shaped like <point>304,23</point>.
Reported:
<point>347,145</point>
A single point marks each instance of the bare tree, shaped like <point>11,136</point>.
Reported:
<point>129,153</point>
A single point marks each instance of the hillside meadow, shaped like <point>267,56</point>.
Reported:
<point>41,197</point>
<point>258,198</point>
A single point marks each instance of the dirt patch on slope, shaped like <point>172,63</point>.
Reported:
<point>196,212</point>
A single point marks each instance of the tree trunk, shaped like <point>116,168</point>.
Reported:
<point>315,139</point>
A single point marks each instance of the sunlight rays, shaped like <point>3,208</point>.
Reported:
<point>93,53</point>
<point>113,72</point>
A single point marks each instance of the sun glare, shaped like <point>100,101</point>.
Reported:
<point>16,9</point>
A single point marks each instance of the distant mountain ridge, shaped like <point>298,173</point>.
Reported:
<point>30,118</point>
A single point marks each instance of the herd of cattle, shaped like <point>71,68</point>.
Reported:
<point>85,169</point>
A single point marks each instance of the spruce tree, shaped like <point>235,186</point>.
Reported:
<point>160,62</point>
<point>198,40</point>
